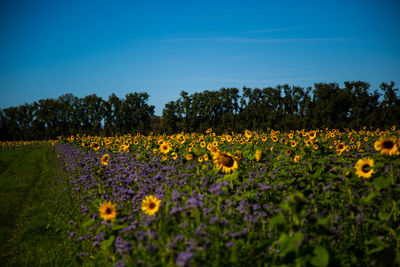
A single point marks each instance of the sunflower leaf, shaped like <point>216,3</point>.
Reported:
<point>381,182</point>
<point>321,257</point>
<point>369,198</point>
<point>108,242</point>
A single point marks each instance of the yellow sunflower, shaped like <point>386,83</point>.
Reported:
<point>312,135</point>
<point>189,157</point>
<point>386,146</point>
<point>364,167</point>
<point>258,154</point>
<point>107,211</point>
<point>95,146</point>
<point>104,159</point>
<point>225,161</point>
<point>150,205</point>
<point>247,133</point>
<point>165,147</point>
<point>296,158</point>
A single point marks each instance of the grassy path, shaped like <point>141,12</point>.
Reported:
<point>34,211</point>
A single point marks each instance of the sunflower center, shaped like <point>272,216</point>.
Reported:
<point>152,205</point>
<point>226,160</point>
<point>388,144</point>
<point>108,211</point>
<point>365,168</point>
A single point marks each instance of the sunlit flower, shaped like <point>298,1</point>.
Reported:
<point>308,142</point>
<point>174,155</point>
<point>247,133</point>
<point>312,135</point>
<point>189,156</point>
<point>95,146</point>
<point>165,147</point>
<point>296,158</point>
<point>150,205</point>
<point>386,146</point>
<point>107,211</point>
<point>225,161</point>
<point>258,154</point>
<point>104,159</point>
<point>364,167</point>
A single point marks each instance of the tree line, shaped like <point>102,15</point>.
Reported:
<point>282,107</point>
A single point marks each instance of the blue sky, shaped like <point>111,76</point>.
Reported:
<point>49,48</point>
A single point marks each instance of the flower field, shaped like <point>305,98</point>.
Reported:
<point>269,198</point>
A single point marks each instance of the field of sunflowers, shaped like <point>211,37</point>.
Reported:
<point>266,198</point>
<point>269,198</point>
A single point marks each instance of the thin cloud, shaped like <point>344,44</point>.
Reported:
<point>273,30</point>
<point>253,81</point>
<point>262,40</point>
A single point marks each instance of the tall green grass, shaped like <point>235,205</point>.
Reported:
<point>35,210</point>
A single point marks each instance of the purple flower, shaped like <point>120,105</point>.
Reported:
<point>229,244</point>
<point>213,219</point>
<point>184,258</point>
<point>119,263</point>
<point>175,241</point>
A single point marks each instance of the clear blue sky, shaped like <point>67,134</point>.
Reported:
<point>49,48</point>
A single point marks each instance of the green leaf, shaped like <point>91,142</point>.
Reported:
<point>322,221</point>
<point>369,198</point>
<point>321,257</point>
<point>88,223</point>
<point>384,216</point>
<point>119,227</point>
<point>289,243</point>
<point>278,219</point>
<point>107,243</point>
<point>378,244</point>
<point>381,182</point>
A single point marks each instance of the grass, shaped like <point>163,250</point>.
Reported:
<point>34,210</point>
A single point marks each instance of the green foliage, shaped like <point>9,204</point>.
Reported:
<point>35,211</point>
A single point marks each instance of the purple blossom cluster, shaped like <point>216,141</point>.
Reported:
<point>204,213</point>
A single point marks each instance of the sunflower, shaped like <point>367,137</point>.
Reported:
<point>150,205</point>
<point>312,135</point>
<point>95,146</point>
<point>214,150</point>
<point>104,159</point>
<point>107,211</point>
<point>364,167</point>
<point>174,155</point>
<point>386,146</point>
<point>189,157</point>
<point>340,147</point>
<point>225,161</point>
<point>308,142</point>
<point>296,158</point>
<point>165,147</point>
<point>247,133</point>
<point>258,154</point>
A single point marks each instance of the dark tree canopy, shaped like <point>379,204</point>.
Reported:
<point>229,109</point>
